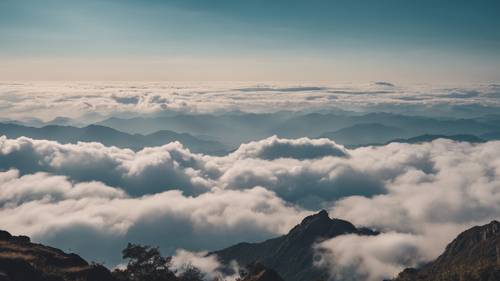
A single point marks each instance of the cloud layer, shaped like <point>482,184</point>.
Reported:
<point>93,101</point>
<point>94,199</point>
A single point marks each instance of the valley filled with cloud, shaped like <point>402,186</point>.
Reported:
<point>93,199</point>
<point>262,140</point>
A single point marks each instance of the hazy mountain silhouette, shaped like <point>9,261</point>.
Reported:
<point>233,129</point>
<point>110,137</point>
<point>368,133</point>
<point>291,255</point>
<point>473,256</point>
<point>315,124</point>
<point>491,136</point>
<point>428,138</point>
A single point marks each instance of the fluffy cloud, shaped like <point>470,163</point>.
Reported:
<point>423,211</point>
<point>207,264</point>
<point>370,258</point>
<point>148,171</point>
<point>310,171</point>
<point>303,148</point>
<point>97,220</point>
<point>419,195</point>
<point>49,188</point>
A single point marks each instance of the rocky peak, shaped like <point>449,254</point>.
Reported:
<point>320,226</point>
<point>291,255</point>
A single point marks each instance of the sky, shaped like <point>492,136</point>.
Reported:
<point>319,40</point>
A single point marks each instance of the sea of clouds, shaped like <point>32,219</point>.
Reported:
<point>93,101</point>
<point>93,199</point>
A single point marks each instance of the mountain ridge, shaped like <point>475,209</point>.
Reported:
<point>111,137</point>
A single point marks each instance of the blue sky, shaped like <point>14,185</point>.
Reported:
<point>332,40</point>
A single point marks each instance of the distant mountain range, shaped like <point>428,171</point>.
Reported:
<point>473,256</point>
<point>219,140</point>
<point>232,129</point>
<point>111,137</point>
<point>429,138</point>
<point>362,134</point>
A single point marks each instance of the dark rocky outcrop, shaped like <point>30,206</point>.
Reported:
<point>258,272</point>
<point>473,256</point>
<point>21,260</point>
<point>292,255</point>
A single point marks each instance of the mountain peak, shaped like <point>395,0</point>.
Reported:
<point>323,213</point>
<point>320,226</point>
<point>291,255</point>
<point>321,216</point>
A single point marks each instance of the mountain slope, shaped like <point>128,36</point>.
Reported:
<point>21,260</point>
<point>291,255</point>
<point>258,272</point>
<point>110,137</point>
<point>473,256</point>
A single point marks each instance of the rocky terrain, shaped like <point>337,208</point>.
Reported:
<point>473,256</point>
<point>21,260</point>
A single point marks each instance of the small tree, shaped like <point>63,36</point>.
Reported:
<point>191,273</point>
<point>145,263</point>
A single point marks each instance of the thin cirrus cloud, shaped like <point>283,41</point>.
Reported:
<point>418,195</point>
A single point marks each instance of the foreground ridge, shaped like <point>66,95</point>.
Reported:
<point>473,256</point>
<point>21,260</point>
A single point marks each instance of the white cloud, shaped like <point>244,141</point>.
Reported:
<point>422,210</point>
<point>97,220</point>
<point>207,264</point>
<point>147,171</point>
<point>370,258</point>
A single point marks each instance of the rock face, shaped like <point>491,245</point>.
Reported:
<point>259,272</point>
<point>473,256</point>
<point>21,260</point>
<point>291,255</point>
